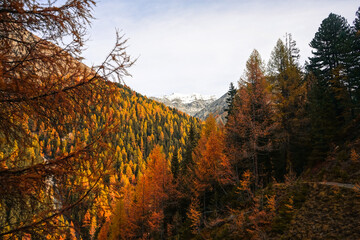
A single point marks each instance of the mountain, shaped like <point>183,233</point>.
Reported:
<point>187,103</point>
<point>217,108</point>
<point>196,105</point>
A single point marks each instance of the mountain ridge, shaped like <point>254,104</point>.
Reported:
<point>196,104</point>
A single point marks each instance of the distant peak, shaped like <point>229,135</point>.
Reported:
<point>188,98</point>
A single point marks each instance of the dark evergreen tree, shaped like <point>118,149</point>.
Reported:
<point>355,68</point>
<point>331,88</point>
<point>357,21</point>
<point>323,120</point>
<point>191,143</point>
<point>330,46</point>
<point>332,63</point>
<point>175,163</point>
<point>230,99</point>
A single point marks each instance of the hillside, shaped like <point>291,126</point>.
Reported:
<point>71,140</point>
<point>83,157</point>
<point>140,124</point>
<point>300,211</point>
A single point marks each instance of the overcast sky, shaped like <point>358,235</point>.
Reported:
<point>200,46</point>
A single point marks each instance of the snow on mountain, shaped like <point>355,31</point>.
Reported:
<point>193,104</point>
<point>189,98</point>
<point>217,108</point>
<point>188,103</point>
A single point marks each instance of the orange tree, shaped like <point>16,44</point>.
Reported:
<point>250,126</point>
<point>44,90</point>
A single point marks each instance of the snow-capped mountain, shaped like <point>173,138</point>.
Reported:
<point>189,98</point>
<point>217,108</point>
<point>188,103</point>
<point>196,105</point>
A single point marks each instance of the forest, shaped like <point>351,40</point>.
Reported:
<point>83,156</point>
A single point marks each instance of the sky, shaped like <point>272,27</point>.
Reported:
<point>200,46</point>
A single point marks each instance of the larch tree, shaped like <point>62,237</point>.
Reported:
<point>212,170</point>
<point>289,95</point>
<point>42,84</point>
<point>142,214</point>
<point>162,188</point>
<point>249,128</point>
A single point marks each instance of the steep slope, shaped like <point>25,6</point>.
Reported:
<point>142,125</point>
<point>217,108</point>
<point>324,214</point>
<point>154,122</point>
<point>139,124</point>
<point>300,211</point>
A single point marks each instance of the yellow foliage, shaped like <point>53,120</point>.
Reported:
<point>245,182</point>
<point>290,205</point>
<point>271,203</point>
<point>195,216</point>
<point>354,156</point>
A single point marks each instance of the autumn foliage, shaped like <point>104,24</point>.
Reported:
<point>251,123</point>
<point>82,157</point>
<point>140,211</point>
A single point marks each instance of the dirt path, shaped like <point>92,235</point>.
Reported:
<point>344,185</point>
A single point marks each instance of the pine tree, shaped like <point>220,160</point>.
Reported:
<point>355,70</point>
<point>330,47</point>
<point>331,88</point>
<point>175,163</point>
<point>230,99</point>
<point>191,143</point>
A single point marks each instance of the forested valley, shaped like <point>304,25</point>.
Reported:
<point>83,156</point>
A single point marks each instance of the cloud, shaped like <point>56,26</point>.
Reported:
<point>203,46</point>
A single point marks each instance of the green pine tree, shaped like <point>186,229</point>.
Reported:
<point>230,99</point>
<point>329,98</point>
<point>355,70</point>
<point>191,143</point>
<point>175,163</point>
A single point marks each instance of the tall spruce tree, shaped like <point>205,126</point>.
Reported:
<point>230,99</point>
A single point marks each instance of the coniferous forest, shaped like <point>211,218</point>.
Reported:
<point>82,156</point>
